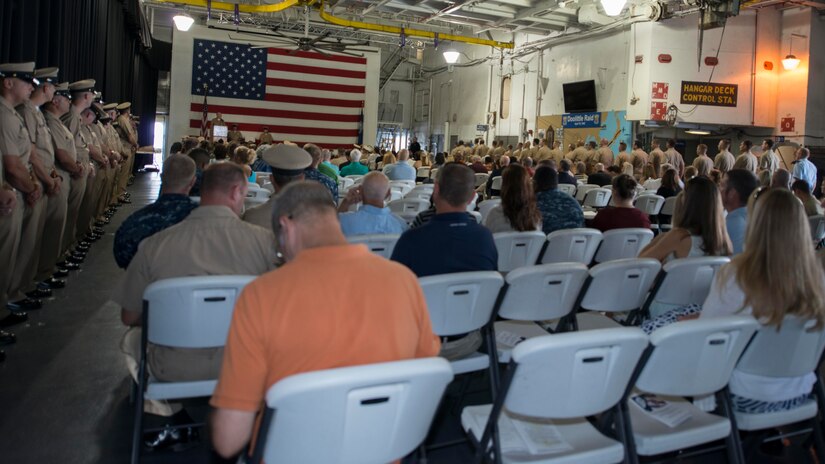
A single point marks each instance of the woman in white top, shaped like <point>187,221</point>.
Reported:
<point>518,211</point>
<point>776,276</point>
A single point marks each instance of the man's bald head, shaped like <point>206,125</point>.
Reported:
<point>374,189</point>
<point>504,161</point>
<point>403,155</point>
<point>305,217</point>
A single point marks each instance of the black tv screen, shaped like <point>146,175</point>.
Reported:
<point>579,97</point>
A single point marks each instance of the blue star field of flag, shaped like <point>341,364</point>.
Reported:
<point>230,70</point>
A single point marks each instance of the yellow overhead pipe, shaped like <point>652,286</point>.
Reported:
<point>243,8</point>
<point>409,32</point>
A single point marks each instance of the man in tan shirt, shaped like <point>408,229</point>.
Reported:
<point>768,160</point>
<point>639,158</point>
<point>579,153</point>
<point>702,163</point>
<point>212,240</point>
<point>746,159</point>
<point>675,158</point>
<point>622,156</point>
<point>724,160</point>
<point>556,153</point>
<point>657,156</point>
<point>543,152</point>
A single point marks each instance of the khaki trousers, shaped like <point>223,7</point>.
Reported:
<point>10,228</point>
<point>55,221</point>
<point>87,209</point>
<point>77,189</point>
<point>28,253</point>
<point>106,191</point>
<point>170,365</point>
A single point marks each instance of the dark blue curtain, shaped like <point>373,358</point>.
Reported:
<point>106,40</point>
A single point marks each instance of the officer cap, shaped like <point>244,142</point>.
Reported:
<point>22,71</point>
<point>287,160</point>
<point>62,89</point>
<point>124,106</point>
<point>86,85</point>
<point>45,75</point>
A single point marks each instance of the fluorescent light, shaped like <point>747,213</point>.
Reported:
<point>451,56</point>
<point>183,21</point>
<point>613,7</point>
<point>790,62</point>
<point>697,132</point>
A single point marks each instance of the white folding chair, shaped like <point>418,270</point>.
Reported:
<point>582,190</point>
<point>688,359</point>
<point>345,183</point>
<point>792,350</point>
<point>472,206</point>
<point>423,173</point>
<point>370,414</point>
<point>652,206</point>
<point>269,187</point>
<point>184,312</point>
<point>395,194</point>
<point>461,303</point>
<point>496,184</point>
<point>476,215</point>
<point>597,198</point>
<point>400,186</point>
<point>571,245</point>
<point>569,189</point>
<point>817,228</point>
<point>257,192</point>
<point>354,177</point>
<point>551,386</point>
<point>481,178</point>
<point>623,243</point>
<point>615,286</point>
<point>380,244</point>
<point>517,249</point>
<point>682,282</point>
<point>251,202</point>
<point>667,210</point>
<point>196,199</point>
<point>408,205</point>
<point>485,206</point>
<point>536,293</point>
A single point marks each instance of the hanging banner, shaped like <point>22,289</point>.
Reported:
<point>581,120</point>
<point>709,94</point>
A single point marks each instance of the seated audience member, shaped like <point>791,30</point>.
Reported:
<point>341,158</point>
<point>716,176</point>
<point>777,275</point>
<point>424,216</point>
<point>650,177</point>
<point>517,211</point>
<point>401,170</point>
<point>558,209</point>
<point>528,164</point>
<point>171,207</point>
<point>698,226</point>
<point>565,177</point>
<point>736,187</point>
<point>212,240</point>
<point>623,214</point>
<point>452,241</point>
<point>690,173</point>
<point>282,325</point>
<point>599,176</point>
<point>354,167</point>
<point>220,151</point>
<point>326,160</point>
<point>313,172</point>
<point>802,191</point>
<point>440,160</point>
<point>781,179</point>
<point>670,184</point>
<point>244,157</point>
<point>201,159</point>
<point>503,162</point>
<point>488,163</point>
<point>176,148</point>
<point>424,161</point>
<point>765,178</point>
<point>372,217</point>
<point>581,172</point>
<point>387,160</point>
<point>478,166</point>
<point>287,163</point>
<point>319,166</point>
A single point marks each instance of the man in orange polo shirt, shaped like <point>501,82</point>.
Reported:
<point>283,324</point>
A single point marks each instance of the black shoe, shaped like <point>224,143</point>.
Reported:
<point>78,254</point>
<point>14,319</point>
<point>7,338</point>
<point>27,304</point>
<point>67,266</point>
<point>98,231</point>
<point>52,283</point>
<point>101,223</point>
<point>39,293</point>
<point>84,243</point>
<point>170,438</point>
<point>125,201</point>
<point>60,273</point>
<point>74,259</point>
<point>82,247</point>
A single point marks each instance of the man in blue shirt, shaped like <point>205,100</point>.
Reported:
<point>373,217</point>
<point>452,241</point>
<point>804,169</point>
<point>736,187</point>
<point>402,169</point>
<point>172,206</point>
<point>312,172</point>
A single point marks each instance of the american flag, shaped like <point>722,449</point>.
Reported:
<point>303,97</point>
<point>205,113</point>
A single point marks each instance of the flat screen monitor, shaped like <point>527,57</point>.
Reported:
<point>579,97</point>
<point>220,131</point>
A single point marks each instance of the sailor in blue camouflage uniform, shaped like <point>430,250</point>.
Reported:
<point>312,172</point>
<point>558,209</point>
<point>171,207</point>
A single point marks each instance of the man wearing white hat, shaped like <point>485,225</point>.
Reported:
<point>16,146</point>
<point>288,163</point>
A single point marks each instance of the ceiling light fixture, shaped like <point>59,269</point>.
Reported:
<point>183,21</point>
<point>613,7</point>
<point>451,56</point>
<point>791,62</point>
<point>697,132</point>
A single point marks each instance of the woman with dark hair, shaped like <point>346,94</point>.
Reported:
<point>558,209</point>
<point>623,214</point>
<point>669,188</point>
<point>518,210</point>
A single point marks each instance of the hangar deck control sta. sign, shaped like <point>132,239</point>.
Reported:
<point>709,94</point>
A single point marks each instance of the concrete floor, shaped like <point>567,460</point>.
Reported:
<point>64,390</point>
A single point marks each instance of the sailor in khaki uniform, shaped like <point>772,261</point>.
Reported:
<point>53,199</point>
<point>288,163</point>
<point>543,152</point>
<point>94,185</point>
<point>16,145</point>
<point>69,170</point>
<point>113,143</point>
<point>556,154</point>
<point>128,141</point>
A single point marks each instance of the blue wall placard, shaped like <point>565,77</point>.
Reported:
<point>581,120</point>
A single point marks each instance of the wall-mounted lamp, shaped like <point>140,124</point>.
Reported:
<point>183,21</point>
<point>613,7</point>
<point>451,56</point>
<point>791,62</point>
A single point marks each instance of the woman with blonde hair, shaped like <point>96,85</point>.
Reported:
<point>627,168</point>
<point>388,160</point>
<point>244,157</point>
<point>777,275</point>
<point>424,160</point>
<point>518,210</point>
